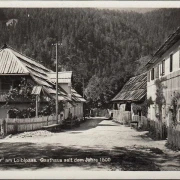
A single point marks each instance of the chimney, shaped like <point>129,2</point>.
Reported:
<point>4,46</point>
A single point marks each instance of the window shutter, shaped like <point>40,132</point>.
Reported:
<point>155,72</point>
<point>163,67</point>
<point>171,63</point>
<point>152,74</point>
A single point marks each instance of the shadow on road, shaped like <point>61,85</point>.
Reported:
<point>106,125</point>
<point>16,155</point>
<point>88,124</point>
<point>119,158</point>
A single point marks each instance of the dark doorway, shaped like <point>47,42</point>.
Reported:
<point>128,106</point>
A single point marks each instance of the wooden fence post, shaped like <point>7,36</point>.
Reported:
<point>6,123</point>
<point>4,126</point>
<point>37,99</point>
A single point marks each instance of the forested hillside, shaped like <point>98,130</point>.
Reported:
<point>101,46</point>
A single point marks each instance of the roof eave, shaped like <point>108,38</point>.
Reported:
<point>18,74</point>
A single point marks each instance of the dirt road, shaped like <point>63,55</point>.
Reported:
<point>97,144</point>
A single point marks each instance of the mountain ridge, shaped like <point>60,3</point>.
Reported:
<point>101,46</point>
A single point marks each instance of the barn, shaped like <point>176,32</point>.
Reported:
<point>130,97</point>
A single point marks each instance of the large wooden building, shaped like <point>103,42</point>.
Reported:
<point>16,67</point>
<point>165,67</point>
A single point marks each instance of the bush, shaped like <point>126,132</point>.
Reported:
<point>31,111</point>
<point>24,113</point>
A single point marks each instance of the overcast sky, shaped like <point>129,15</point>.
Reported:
<point>140,10</point>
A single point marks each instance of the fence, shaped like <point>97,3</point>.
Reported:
<point>157,129</point>
<point>174,137</point>
<point>144,123</point>
<point>75,111</point>
<point>15,125</point>
<point>100,113</point>
<point>123,117</point>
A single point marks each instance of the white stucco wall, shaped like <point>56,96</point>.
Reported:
<point>171,83</point>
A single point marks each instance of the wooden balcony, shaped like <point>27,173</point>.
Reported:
<point>3,95</point>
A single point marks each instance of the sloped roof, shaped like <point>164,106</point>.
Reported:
<point>133,90</point>
<point>10,64</point>
<point>63,77</point>
<point>77,97</point>
<point>11,22</point>
<point>13,62</point>
<point>171,40</point>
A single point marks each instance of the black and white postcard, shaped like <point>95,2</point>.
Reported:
<point>90,86</point>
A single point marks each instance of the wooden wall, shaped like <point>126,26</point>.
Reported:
<point>172,85</point>
<point>123,117</point>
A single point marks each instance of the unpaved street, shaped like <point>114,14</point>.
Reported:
<point>96,145</point>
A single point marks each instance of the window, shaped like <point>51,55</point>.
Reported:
<point>171,63</point>
<point>163,67</point>
<point>148,76</point>
<point>152,74</point>
<point>157,71</point>
<point>160,69</point>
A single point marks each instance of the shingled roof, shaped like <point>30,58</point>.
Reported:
<point>13,63</point>
<point>77,97</point>
<point>63,77</point>
<point>133,90</point>
<point>171,40</point>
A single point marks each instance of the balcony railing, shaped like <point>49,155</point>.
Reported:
<point>3,97</point>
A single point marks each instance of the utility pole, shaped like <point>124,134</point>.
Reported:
<point>57,44</point>
<point>83,87</point>
<point>37,98</point>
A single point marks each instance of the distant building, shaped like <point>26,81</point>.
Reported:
<point>133,92</point>
<point>11,22</point>
<point>65,82</point>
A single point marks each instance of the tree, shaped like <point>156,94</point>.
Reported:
<point>104,43</point>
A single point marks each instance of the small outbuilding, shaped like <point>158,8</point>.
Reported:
<point>127,102</point>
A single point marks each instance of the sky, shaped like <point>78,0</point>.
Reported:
<point>139,10</point>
